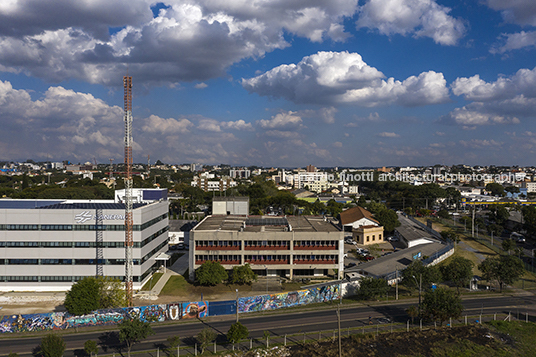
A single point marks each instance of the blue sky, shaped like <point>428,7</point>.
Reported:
<point>271,83</point>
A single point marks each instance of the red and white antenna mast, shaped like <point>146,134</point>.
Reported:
<point>127,85</point>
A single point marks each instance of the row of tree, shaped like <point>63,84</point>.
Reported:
<point>211,273</point>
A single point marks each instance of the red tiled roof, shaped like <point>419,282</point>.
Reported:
<point>355,214</point>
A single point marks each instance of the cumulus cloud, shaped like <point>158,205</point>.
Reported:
<point>503,101</point>
<point>480,144</point>
<point>286,120</point>
<point>155,124</point>
<point>520,12</point>
<point>187,41</point>
<point>343,77</point>
<point>60,121</point>
<point>514,41</point>
<point>422,18</point>
<point>386,134</point>
<point>474,88</point>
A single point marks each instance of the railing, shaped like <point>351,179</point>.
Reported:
<point>311,261</point>
<point>217,247</point>
<point>263,262</point>
<point>222,262</point>
<point>315,247</point>
<point>267,247</point>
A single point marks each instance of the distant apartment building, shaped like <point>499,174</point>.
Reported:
<point>240,173</point>
<point>530,186</point>
<point>310,168</point>
<point>209,185</point>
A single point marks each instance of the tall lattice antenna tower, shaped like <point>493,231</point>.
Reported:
<point>127,85</point>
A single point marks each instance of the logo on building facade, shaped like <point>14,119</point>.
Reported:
<point>86,216</point>
<point>83,217</point>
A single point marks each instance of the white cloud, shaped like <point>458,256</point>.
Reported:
<point>480,144</point>
<point>342,77</point>
<point>521,12</point>
<point>238,125</point>
<point>474,88</point>
<point>201,86</point>
<point>155,124</point>
<point>281,120</point>
<point>422,18</point>
<point>189,41</point>
<point>282,134</point>
<point>337,144</point>
<point>386,134</point>
<point>470,118</point>
<point>514,41</point>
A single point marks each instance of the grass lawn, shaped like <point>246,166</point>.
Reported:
<point>152,282</point>
<point>178,286</point>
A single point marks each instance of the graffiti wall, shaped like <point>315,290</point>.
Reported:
<point>166,312</point>
<point>64,320</point>
<point>283,300</point>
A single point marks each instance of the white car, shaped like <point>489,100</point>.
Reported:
<point>392,239</point>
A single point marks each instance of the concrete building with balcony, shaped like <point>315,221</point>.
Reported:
<point>290,247</point>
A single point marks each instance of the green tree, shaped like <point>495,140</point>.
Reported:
<point>505,269</point>
<point>388,219</point>
<point>529,219</point>
<point>412,274</point>
<point>459,271</point>
<point>91,347</point>
<point>443,214</point>
<point>496,189</point>
<point>211,273</point>
<point>508,245</point>
<point>237,332</point>
<point>242,274</point>
<point>449,234</point>
<point>361,202</point>
<point>173,342</point>
<point>111,293</point>
<point>370,288</point>
<point>132,331</point>
<point>495,229</point>
<point>52,345</point>
<point>92,293</point>
<point>83,297</point>
<point>441,304</point>
<point>413,312</point>
<point>205,337</point>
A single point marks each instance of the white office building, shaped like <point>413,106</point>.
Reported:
<point>46,245</point>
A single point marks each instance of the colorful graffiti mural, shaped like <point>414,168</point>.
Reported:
<point>166,312</point>
<point>64,320</point>
<point>283,300</point>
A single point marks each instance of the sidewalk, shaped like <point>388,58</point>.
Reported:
<point>178,268</point>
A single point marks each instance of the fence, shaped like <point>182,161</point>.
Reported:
<point>188,346</point>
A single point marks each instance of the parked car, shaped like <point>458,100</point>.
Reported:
<point>350,265</point>
<point>369,257</point>
<point>393,239</point>
<point>518,237</point>
<point>349,241</point>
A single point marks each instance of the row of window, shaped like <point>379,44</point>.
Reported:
<point>274,257</point>
<point>266,243</point>
<point>316,243</point>
<point>68,278</point>
<point>120,244</point>
<point>66,261</point>
<point>217,243</point>
<point>79,227</point>
<point>374,237</point>
<point>152,252</point>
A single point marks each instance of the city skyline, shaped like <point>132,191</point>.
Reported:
<point>271,83</point>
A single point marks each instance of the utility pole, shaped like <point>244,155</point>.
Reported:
<point>473,225</point>
<point>129,243</point>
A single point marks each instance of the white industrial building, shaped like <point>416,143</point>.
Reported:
<point>46,245</point>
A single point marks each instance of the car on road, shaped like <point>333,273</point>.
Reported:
<point>383,320</point>
<point>517,237</point>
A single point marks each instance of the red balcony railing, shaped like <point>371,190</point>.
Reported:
<point>216,247</point>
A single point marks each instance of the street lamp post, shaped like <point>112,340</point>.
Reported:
<point>236,305</point>
<point>420,289</point>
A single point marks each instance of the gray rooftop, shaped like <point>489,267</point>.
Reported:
<point>397,260</point>
<point>410,230</point>
<point>266,224</point>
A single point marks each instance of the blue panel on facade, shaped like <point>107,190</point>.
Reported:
<point>154,195</point>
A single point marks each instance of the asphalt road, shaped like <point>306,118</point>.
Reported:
<point>277,324</point>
